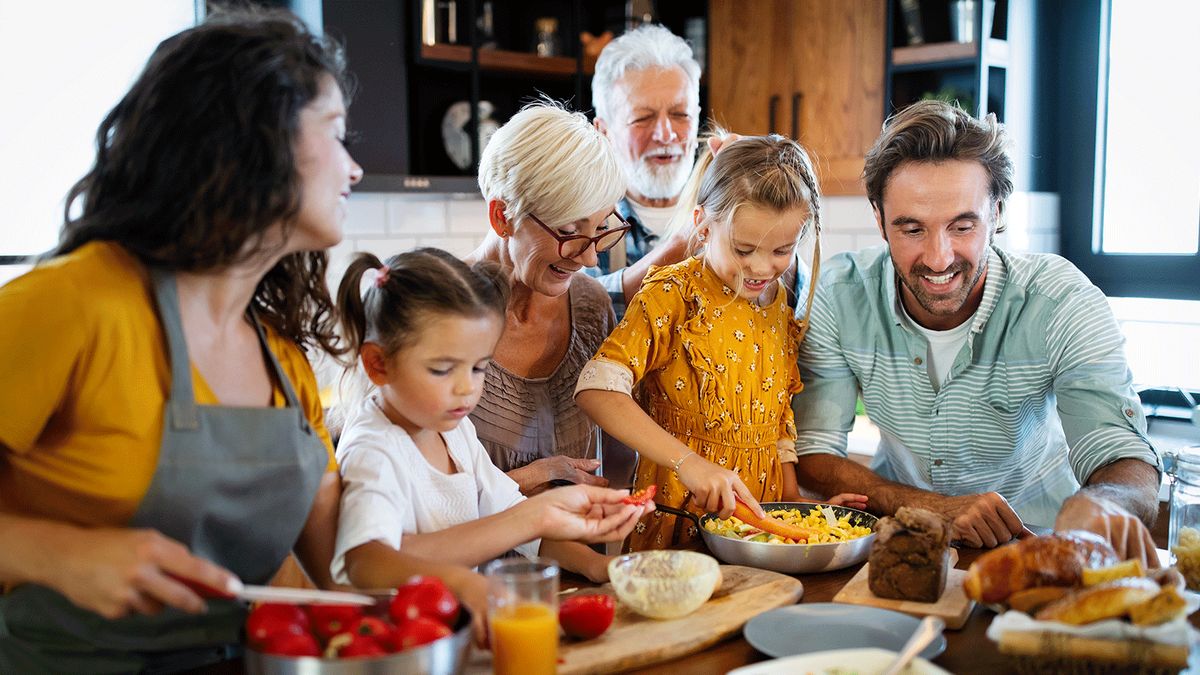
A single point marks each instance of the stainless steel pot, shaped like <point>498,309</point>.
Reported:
<point>787,558</point>
<point>447,656</point>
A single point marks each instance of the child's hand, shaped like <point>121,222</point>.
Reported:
<point>851,500</point>
<point>472,591</point>
<point>716,489</point>
<point>587,513</point>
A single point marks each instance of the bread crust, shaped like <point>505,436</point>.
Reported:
<point>1109,600</point>
<point>1052,560</point>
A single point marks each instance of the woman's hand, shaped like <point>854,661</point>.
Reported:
<point>586,513</point>
<point>538,473</point>
<point>114,572</point>
<point>715,488</point>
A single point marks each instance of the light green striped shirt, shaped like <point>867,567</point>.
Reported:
<point>1038,398</point>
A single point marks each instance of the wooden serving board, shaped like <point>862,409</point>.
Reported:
<point>633,641</point>
<point>953,607</point>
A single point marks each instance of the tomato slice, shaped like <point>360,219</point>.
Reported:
<point>643,496</point>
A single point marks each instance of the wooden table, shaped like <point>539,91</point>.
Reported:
<point>968,650</point>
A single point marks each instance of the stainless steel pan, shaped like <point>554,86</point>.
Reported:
<point>787,558</point>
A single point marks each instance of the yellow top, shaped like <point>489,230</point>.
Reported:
<point>85,378</point>
<point>715,370</point>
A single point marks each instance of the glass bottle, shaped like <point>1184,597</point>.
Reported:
<point>1183,535</point>
<point>547,43</point>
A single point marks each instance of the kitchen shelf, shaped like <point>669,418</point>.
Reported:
<point>948,54</point>
<point>503,60</point>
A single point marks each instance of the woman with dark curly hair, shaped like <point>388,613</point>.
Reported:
<point>162,422</point>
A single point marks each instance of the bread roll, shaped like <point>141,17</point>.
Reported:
<point>1105,601</point>
<point>1053,560</point>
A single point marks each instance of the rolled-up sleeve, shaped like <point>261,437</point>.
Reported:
<point>374,505</point>
<point>1101,415</point>
<point>824,410</point>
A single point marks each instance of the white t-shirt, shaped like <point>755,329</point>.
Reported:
<point>655,218</point>
<point>944,346</point>
<point>389,489</point>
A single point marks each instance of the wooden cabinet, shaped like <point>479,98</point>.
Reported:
<point>809,69</point>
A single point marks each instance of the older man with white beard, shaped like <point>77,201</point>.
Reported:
<point>646,91</point>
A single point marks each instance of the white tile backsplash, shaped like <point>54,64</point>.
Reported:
<point>366,215</point>
<point>416,215</point>
<point>467,216</point>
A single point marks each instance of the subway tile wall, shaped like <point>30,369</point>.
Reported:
<point>387,223</point>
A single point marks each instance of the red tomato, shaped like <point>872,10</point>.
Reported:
<point>329,620</point>
<point>424,597</point>
<point>370,627</point>
<point>586,616</point>
<point>291,644</point>
<point>352,645</point>
<point>416,632</point>
<point>642,496</point>
<point>270,619</point>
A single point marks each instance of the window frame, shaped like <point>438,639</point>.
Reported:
<point>1081,147</point>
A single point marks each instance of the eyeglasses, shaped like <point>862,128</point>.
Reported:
<point>571,246</point>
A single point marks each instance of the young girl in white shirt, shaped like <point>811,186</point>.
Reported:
<point>415,477</point>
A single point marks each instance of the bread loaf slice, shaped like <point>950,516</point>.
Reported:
<point>910,557</point>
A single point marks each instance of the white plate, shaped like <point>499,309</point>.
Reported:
<point>859,661</point>
<point>821,626</point>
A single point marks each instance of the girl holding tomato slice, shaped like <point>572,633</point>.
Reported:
<point>712,342</point>
<point>424,326</point>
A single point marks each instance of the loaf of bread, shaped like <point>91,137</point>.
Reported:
<point>1109,600</point>
<point>910,557</point>
<point>1052,560</point>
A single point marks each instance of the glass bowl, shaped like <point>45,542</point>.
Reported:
<point>664,584</point>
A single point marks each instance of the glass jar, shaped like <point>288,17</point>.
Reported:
<point>1183,535</point>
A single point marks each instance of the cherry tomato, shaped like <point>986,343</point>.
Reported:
<point>416,632</point>
<point>642,496</point>
<point>586,616</point>
<point>424,597</point>
<point>351,645</point>
<point>271,619</point>
<point>329,620</point>
<point>291,644</point>
<point>371,627</point>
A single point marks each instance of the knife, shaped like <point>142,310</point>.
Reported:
<point>289,596</point>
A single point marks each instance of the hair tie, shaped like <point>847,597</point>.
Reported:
<point>373,278</point>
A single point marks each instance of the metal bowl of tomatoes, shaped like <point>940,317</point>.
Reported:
<point>419,628</point>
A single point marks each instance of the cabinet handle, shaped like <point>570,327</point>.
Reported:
<point>796,97</point>
<point>772,113</point>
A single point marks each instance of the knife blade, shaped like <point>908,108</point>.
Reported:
<point>290,596</point>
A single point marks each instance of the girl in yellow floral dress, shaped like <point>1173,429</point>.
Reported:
<point>712,343</point>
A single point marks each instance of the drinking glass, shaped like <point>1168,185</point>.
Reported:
<point>523,615</point>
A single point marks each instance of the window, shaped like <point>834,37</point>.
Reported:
<point>67,65</point>
<point>1151,168</point>
<point>1134,228</point>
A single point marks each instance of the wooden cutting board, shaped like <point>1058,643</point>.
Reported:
<point>633,641</point>
<point>953,607</point>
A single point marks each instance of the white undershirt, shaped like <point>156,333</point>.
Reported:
<point>944,346</point>
<point>655,218</point>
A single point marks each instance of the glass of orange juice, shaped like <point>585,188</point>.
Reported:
<point>523,615</point>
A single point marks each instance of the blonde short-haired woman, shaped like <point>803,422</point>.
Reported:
<point>551,183</point>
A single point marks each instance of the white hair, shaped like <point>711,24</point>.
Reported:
<point>648,46</point>
<point>552,161</point>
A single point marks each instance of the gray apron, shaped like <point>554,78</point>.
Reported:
<point>233,484</point>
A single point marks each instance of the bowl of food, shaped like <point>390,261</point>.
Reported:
<point>841,536</point>
<point>664,584</point>
<point>418,628</point>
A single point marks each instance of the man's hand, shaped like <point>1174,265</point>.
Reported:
<point>983,520</point>
<point>1127,534</point>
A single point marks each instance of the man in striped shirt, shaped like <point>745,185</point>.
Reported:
<point>998,381</point>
